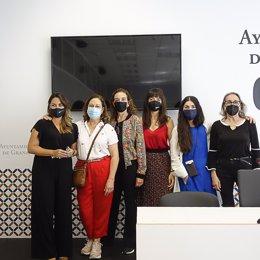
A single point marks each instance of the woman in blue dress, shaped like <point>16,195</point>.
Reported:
<point>189,149</point>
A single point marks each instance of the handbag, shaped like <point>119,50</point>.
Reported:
<point>80,172</point>
<point>190,166</point>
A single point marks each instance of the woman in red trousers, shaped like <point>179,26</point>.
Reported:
<point>95,198</point>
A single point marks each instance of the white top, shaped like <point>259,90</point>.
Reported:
<point>106,137</point>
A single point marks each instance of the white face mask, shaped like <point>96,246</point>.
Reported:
<point>94,112</point>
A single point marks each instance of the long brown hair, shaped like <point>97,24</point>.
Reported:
<point>132,108</point>
<point>104,115</point>
<point>66,120</point>
<point>183,127</point>
<point>162,116</point>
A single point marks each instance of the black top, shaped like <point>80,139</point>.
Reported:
<point>51,138</point>
<point>226,143</point>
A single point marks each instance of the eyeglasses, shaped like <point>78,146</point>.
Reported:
<point>229,102</point>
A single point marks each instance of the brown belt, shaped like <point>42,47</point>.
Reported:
<point>95,160</point>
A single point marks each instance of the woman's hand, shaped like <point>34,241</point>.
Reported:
<point>171,181</point>
<point>59,153</point>
<point>70,152</point>
<point>139,182</point>
<point>250,119</point>
<point>215,181</point>
<point>47,117</point>
<point>109,186</point>
<point>185,179</point>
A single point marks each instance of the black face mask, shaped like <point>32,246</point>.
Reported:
<point>57,112</point>
<point>232,110</point>
<point>120,106</point>
<point>154,105</point>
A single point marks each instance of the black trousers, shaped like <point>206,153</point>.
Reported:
<point>227,174</point>
<point>125,181</point>
<point>51,209</point>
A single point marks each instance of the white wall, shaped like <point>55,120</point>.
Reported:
<point>213,62</point>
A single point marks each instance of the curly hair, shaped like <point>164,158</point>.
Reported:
<point>132,108</point>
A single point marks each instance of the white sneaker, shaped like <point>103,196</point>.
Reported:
<point>96,250</point>
<point>87,248</point>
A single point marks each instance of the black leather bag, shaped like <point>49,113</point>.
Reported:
<point>191,168</point>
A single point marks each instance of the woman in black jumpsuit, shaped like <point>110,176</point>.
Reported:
<point>53,143</point>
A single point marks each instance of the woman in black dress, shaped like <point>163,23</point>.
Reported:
<point>53,143</point>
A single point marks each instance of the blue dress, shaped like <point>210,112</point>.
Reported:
<point>201,182</point>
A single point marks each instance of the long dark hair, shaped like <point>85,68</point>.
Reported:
<point>66,120</point>
<point>104,115</point>
<point>184,134</point>
<point>132,108</point>
<point>162,116</point>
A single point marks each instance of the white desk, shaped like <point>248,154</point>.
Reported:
<point>198,233</point>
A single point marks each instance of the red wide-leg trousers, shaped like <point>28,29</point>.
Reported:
<point>94,206</point>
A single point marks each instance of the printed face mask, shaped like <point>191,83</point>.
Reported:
<point>120,106</point>
<point>190,114</point>
<point>94,112</point>
<point>154,105</point>
<point>57,112</point>
<point>232,110</point>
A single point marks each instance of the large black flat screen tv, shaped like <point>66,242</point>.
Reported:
<point>82,66</point>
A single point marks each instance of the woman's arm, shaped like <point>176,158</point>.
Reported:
<point>213,148</point>
<point>35,148</point>
<point>113,149</point>
<point>255,150</point>
<point>140,152</point>
<point>212,158</point>
<point>215,180</point>
<point>170,126</point>
<point>177,166</point>
<point>72,150</point>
